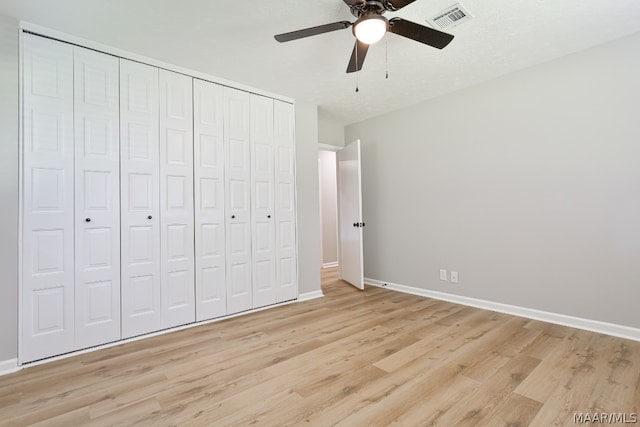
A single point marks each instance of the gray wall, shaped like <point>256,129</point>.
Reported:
<point>328,206</point>
<point>307,197</point>
<point>330,131</point>
<point>528,186</point>
<point>8,188</point>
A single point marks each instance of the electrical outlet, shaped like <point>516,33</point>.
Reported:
<point>443,275</point>
<point>454,277</point>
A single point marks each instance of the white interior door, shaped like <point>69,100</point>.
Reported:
<point>237,150</point>
<point>262,203</point>
<point>208,126</point>
<point>285,202</point>
<point>47,315</point>
<point>97,198</point>
<point>176,199</point>
<point>350,215</point>
<point>139,187</point>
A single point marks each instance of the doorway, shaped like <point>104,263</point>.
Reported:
<point>328,208</point>
<point>340,204</point>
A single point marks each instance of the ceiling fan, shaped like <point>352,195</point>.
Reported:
<point>370,26</point>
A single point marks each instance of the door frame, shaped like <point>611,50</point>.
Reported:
<point>334,149</point>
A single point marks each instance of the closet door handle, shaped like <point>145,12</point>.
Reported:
<point>88,219</point>
<point>268,216</point>
<point>233,217</point>
<point>149,217</point>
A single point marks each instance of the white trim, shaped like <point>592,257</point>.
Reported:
<point>9,367</point>
<point>68,38</point>
<point>329,147</point>
<point>320,216</point>
<point>330,264</point>
<point>20,187</point>
<point>307,296</point>
<point>615,330</point>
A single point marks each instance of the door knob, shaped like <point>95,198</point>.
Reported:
<point>233,216</point>
<point>268,216</point>
<point>149,217</point>
<point>88,219</point>
<point>355,224</point>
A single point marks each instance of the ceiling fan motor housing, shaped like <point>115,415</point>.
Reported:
<point>369,7</point>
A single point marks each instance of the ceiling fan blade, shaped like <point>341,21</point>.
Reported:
<point>313,31</point>
<point>394,5</point>
<point>419,33</point>
<point>354,2</point>
<point>361,49</point>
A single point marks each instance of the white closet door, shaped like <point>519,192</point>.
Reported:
<point>176,199</point>
<point>211,294</point>
<point>139,186</point>
<point>97,198</point>
<point>47,315</point>
<point>286,252</point>
<point>237,150</point>
<point>262,202</point>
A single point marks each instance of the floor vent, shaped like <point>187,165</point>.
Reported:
<point>451,16</point>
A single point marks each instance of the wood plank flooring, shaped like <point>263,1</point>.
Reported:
<point>352,358</point>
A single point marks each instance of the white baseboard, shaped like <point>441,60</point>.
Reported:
<point>330,264</point>
<point>9,366</point>
<point>310,295</point>
<point>613,329</point>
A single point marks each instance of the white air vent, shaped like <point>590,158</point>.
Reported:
<point>451,16</point>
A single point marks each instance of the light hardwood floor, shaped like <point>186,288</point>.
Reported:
<point>351,359</point>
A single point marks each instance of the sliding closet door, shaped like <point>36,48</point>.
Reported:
<point>237,150</point>
<point>286,258</point>
<point>262,203</point>
<point>176,199</point>
<point>47,315</point>
<point>139,160</point>
<point>211,294</point>
<point>97,198</point>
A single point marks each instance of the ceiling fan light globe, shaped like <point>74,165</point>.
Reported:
<point>370,29</point>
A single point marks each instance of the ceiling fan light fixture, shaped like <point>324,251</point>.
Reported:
<point>370,28</point>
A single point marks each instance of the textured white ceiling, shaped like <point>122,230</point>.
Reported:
<point>234,40</point>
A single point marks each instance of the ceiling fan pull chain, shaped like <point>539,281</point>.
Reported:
<point>356,73</point>
<point>386,56</point>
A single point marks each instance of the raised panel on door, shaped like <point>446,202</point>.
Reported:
<point>237,151</point>
<point>47,311</point>
<point>176,199</point>
<point>262,202</point>
<point>210,246</point>
<point>139,201</point>
<point>97,198</point>
<point>285,203</point>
